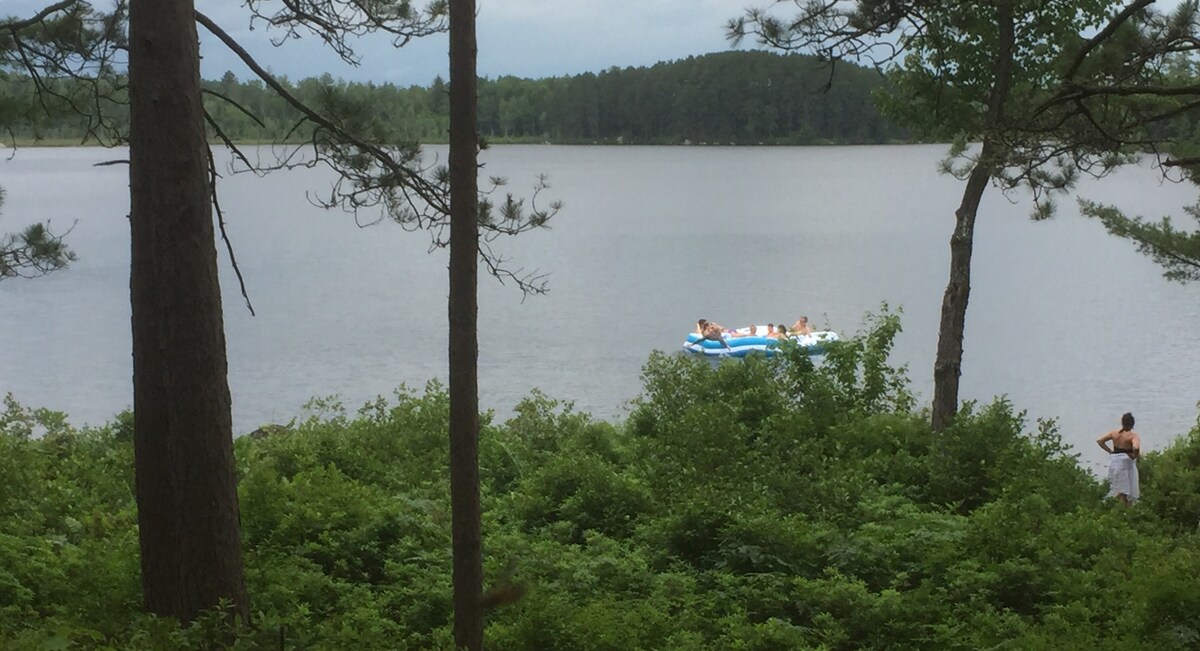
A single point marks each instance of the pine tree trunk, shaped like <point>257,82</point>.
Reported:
<point>189,528</point>
<point>947,366</point>
<point>464,349</point>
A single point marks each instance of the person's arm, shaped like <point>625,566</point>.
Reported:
<point>1136,444</point>
<point>1105,439</point>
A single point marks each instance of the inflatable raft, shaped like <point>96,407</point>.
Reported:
<point>740,346</point>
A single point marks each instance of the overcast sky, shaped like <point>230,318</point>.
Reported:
<point>527,38</point>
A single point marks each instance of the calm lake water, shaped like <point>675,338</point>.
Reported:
<point>1065,320</point>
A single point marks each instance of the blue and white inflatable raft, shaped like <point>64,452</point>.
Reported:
<point>744,345</point>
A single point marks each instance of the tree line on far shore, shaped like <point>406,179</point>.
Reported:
<point>735,97</point>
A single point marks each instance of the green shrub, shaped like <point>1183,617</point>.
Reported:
<point>790,503</point>
<point>587,492</point>
<point>1171,483</point>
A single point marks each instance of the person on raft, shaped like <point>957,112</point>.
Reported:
<point>801,327</point>
<point>710,331</point>
<point>1122,462</point>
<point>752,333</point>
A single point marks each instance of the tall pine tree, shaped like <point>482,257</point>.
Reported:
<point>188,523</point>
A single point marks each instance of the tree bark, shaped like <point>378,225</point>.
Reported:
<point>947,366</point>
<point>463,312</point>
<point>189,529</point>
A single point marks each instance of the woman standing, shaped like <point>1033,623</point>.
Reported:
<point>1122,464</point>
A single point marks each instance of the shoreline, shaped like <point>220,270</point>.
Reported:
<point>63,143</point>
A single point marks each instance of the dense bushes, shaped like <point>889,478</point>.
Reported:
<point>749,505</point>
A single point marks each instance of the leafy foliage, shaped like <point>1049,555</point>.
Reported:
<point>1077,87</point>
<point>1177,250</point>
<point>1089,85</point>
<point>34,252</point>
<point>65,60</point>
<point>1050,90</point>
<point>755,504</point>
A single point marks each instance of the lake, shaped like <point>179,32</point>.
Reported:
<point>1065,320</point>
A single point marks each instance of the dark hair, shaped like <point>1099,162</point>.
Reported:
<point>1126,422</point>
<point>702,321</point>
<point>782,328</point>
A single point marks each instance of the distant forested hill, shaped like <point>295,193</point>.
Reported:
<point>729,97</point>
<point>739,97</point>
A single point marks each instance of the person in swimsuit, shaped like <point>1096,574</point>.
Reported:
<point>711,331</point>
<point>1122,462</point>
<point>801,327</point>
<point>753,333</point>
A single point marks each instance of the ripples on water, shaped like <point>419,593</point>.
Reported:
<point>1064,320</point>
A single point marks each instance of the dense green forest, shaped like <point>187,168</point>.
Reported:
<point>756,505</point>
<point>730,97</point>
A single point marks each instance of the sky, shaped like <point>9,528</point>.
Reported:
<point>526,38</point>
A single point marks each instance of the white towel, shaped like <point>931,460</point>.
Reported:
<point>1123,476</point>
